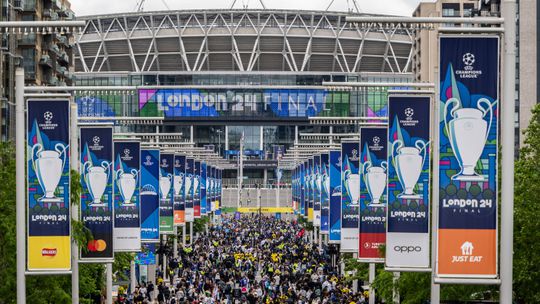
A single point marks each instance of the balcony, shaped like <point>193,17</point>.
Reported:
<point>46,61</point>
<point>50,13</point>
<point>53,81</point>
<point>28,39</point>
<point>54,48</point>
<point>18,5</point>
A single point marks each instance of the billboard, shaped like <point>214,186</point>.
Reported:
<point>317,189</point>
<point>350,195</point>
<point>334,215</point>
<point>373,173</point>
<point>96,165</point>
<point>150,160</point>
<point>179,206</point>
<point>48,182</point>
<point>325,192</point>
<point>468,129</point>
<point>188,188</point>
<point>127,221</point>
<point>407,233</point>
<point>166,172</point>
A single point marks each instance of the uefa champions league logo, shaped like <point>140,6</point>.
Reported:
<point>376,141</point>
<point>339,162</point>
<point>409,113</point>
<point>148,161</point>
<point>177,163</point>
<point>354,155</point>
<point>96,140</point>
<point>127,152</point>
<point>468,60</point>
<point>48,116</point>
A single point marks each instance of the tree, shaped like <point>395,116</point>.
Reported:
<point>526,223</point>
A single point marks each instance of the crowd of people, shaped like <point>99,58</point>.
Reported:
<point>254,259</point>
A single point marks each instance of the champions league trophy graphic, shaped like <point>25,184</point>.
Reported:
<point>319,181</point>
<point>48,168</point>
<point>468,133</point>
<point>178,181</point>
<point>326,182</point>
<point>409,162</point>
<point>196,183</point>
<point>375,179</point>
<point>126,183</point>
<point>165,186</point>
<point>188,181</point>
<point>96,179</point>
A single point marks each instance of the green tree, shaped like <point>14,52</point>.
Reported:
<point>526,223</point>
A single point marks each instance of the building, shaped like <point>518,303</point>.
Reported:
<point>47,58</point>
<point>214,75</point>
<point>528,61</point>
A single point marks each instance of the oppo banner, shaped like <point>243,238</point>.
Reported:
<point>188,189</point>
<point>350,196</point>
<point>334,215</point>
<point>49,238</point>
<point>469,82</point>
<point>166,172</point>
<point>373,166</point>
<point>204,188</point>
<point>127,221</point>
<point>150,196</point>
<point>196,189</point>
<point>96,161</point>
<point>317,185</point>
<point>179,206</point>
<point>325,193</point>
<point>407,237</point>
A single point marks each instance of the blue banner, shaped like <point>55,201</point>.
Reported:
<point>166,166</point>
<point>150,195</point>
<point>468,132</point>
<point>196,189</point>
<point>350,195</point>
<point>373,179</point>
<point>334,215</point>
<point>311,188</point>
<point>127,221</point>
<point>147,256</point>
<point>49,241</point>
<point>303,198</point>
<point>408,181</point>
<point>204,187</point>
<point>179,207</point>
<point>96,166</point>
<point>325,193</point>
<point>317,189</point>
<point>190,166</point>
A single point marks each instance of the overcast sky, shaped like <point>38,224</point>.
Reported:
<point>94,7</point>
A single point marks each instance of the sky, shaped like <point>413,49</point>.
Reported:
<point>99,7</point>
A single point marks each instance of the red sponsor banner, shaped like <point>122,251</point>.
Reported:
<point>197,211</point>
<point>370,245</point>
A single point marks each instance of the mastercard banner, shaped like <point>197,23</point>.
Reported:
<point>178,187</point>
<point>188,188</point>
<point>49,229</point>
<point>407,237</point>
<point>150,195</point>
<point>166,193</point>
<point>325,192</point>
<point>196,189</point>
<point>334,213</point>
<point>96,167</point>
<point>350,195</point>
<point>468,129</point>
<point>373,174</point>
<point>127,221</point>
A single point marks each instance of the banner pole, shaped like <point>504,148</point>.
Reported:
<point>132,277</point>
<point>175,242</point>
<point>109,282</point>
<point>20,186</point>
<point>395,289</point>
<point>508,11</point>
<point>435,291</point>
<point>74,163</point>
<point>371,280</point>
<point>184,235</point>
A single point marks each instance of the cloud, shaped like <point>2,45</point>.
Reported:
<point>103,7</point>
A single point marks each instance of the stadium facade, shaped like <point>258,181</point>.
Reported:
<point>213,74</point>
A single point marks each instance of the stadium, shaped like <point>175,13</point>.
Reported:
<point>215,74</point>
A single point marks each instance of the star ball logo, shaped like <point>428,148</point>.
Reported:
<point>469,59</point>
<point>409,114</point>
<point>96,146</point>
<point>48,124</point>
<point>148,161</point>
<point>376,140</point>
<point>354,156</point>
<point>96,140</point>
<point>48,116</point>
<point>127,152</point>
<point>164,163</point>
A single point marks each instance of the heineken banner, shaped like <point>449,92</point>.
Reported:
<point>303,207</point>
<point>197,189</point>
<point>178,187</point>
<point>469,82</point>
<point>325,193</point>
<point>334,215</point>
<point>127,221</point>
<point>149,195</point>
<point>317,185</point>
<point>96,165</point>
<point>350,195</point>
<point>373,167</point>
<point>204,187</point>
<point>166,193</point>
<point>49,240</point>
<point>310,186</point>
<point>188,188</point>
<point>407,234</point>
